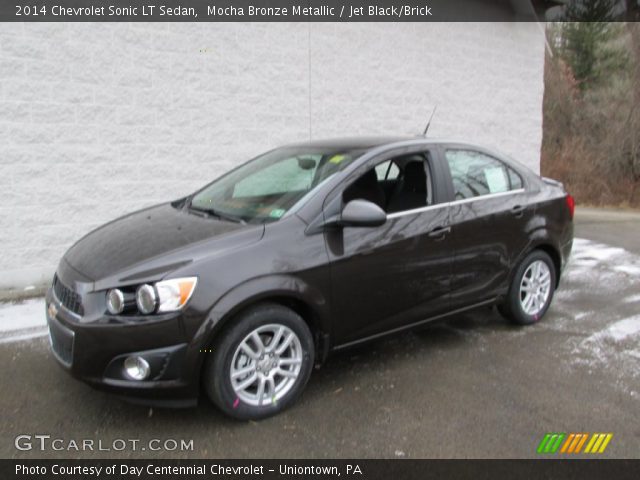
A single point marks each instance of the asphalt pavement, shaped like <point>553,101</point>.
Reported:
<point>472,387</point>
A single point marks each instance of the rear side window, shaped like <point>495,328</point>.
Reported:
<point>475,174</point>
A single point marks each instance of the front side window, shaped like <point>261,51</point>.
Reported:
<point>475,174</point>
<point>266,188</point>
<point>400,184</point>
<point>387,171</point>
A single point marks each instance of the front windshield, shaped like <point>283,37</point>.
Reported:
<point>265,188</point>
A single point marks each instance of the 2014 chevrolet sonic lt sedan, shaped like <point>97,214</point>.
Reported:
<point>241,287</point>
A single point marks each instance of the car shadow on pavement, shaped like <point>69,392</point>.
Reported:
<point>385,367</point>
<point>342,368</point>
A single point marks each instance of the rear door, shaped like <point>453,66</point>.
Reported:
<point>389,276</point>
<point>489,215</point>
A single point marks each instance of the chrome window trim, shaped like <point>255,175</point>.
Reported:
<point>455,202</point>
<point>488,195</point>
<point>417,210</point>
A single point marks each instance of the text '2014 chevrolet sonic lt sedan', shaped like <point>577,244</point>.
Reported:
<point>308,249</point>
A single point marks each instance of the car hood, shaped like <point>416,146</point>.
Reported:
<point>152,241</point>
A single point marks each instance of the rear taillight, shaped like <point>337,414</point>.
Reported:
<point>571,203</point>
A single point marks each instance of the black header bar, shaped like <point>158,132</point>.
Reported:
<point>320,469</point>
<point>270,10</point>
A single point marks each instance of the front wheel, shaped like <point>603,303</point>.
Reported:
<point>261,364</point>
<point>531,289</point>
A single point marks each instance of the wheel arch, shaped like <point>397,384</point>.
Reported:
<point>555,256</point>
<point>302,307</point>
<point>288,291</point>
<point>543,244</point>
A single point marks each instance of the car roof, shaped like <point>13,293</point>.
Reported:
<point>352,143</point>
<point>376,142</point>
<point>371,142</point>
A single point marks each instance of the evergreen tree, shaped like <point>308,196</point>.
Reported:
<point>586,38</point>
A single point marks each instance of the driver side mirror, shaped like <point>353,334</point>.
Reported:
<point>362,213</point>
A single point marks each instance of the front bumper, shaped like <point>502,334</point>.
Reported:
<point>94,352</point>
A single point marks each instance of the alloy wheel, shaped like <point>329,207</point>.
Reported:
<point>266,364</point>
<point>535,287</point>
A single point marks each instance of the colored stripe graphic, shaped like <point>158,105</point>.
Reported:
<point>581,442</point>
<point>556,445</point>
<point>547,448</point>
<point>592,440</point>
<point>551,442</point>
<point>605,443</point>
<point>576,440</point>
<point>572,443</point>
<point>567,442</point>
<point>598,442</point>
<point>543,443</point>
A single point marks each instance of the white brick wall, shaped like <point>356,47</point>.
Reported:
<point>97,120</point>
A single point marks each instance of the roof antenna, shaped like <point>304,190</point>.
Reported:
<point>426,129</point>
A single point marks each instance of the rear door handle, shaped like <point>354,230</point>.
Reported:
<point>439,232</point>
<point>518,210</point>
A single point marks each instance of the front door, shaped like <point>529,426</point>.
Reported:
<point>389,276</point>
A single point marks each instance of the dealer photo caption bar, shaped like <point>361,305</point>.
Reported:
<point>188,469</point>
<point>346,12</point>
<point>256,11</point>
<point>366,469</point>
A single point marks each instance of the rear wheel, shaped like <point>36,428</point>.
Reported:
<point>261,364</point>
<point>531,289</point>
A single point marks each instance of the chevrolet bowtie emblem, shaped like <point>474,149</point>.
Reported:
<point>52,310</point>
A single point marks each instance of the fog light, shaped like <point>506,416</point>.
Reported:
<point>115,301</point>
<point>136,367</point>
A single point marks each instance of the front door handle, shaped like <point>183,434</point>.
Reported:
<point>439,233</point>
<point>518,210</point>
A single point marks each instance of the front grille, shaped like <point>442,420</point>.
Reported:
<point>61,342</point>
<point>67,297</point>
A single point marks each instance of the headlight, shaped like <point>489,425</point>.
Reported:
<point>146,299</point>
<point>175,293</point>
<point>115,301</point>
<point>161,297</point>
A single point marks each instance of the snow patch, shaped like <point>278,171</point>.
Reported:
<point>581,315</point>
<point>23,315</point>
<point>22,321</point>
<point>632,270</point>
<point>22,337</point>
<point>618,331</point>
<point>632,299</point>
<point>586,250</point>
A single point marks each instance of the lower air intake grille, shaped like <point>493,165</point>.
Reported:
<point>61,342</point>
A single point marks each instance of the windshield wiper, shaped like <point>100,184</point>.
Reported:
<point>217,213</point>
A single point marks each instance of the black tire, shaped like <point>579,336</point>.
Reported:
<point>512,307</point>
<point>217,377</point>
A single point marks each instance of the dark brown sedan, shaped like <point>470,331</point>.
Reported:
<point>308,249</point>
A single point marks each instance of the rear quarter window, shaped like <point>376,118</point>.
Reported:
<point>515,179</point>
<point>475,174</point>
